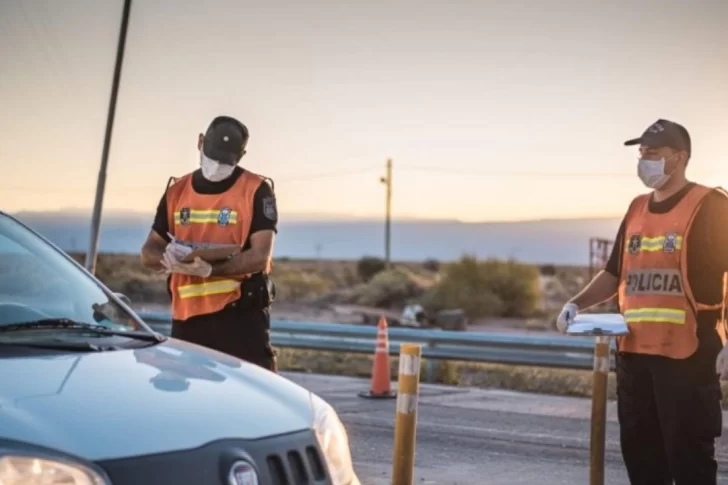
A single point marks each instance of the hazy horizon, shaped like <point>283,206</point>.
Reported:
<point>301,217</point>
<point>564,241</point>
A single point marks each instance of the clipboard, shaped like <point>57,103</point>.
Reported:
<point>598,325</point>
<point>212,253</point>
<point>209,252</point>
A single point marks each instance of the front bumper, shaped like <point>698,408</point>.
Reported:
<point>289,459</point>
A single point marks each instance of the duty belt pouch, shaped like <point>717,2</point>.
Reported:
<point>258,292</point>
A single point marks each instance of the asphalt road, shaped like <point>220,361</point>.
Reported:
<point>478,437</point>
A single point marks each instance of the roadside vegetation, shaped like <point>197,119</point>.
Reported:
<point>508,291</point>
<point>482,289</point>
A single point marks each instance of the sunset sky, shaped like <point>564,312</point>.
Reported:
<point>491,110</point>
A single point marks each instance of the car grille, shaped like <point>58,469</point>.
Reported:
<point>292,459</point>
<point>296,467</point>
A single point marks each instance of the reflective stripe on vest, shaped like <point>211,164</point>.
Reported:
<point>202,216</point>
<point>655,315</point>
<point>652,244</point>
<point>208,288</point>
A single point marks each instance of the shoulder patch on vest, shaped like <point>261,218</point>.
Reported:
<point>270,211</point>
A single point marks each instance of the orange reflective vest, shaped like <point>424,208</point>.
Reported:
<point>209,218</point>
<point>655,297</point>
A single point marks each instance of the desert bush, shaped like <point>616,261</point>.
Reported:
<point>432,265</point>
<point>392,288</point>
<point>548,270</point>
<point>368,266</point>
<point>296,286</point>
<point>486,288</point>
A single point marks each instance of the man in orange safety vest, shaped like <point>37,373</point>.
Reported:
<point>666,270</point>
<point>223,305</point>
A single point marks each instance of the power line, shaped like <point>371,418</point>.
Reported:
<point>342,173</point>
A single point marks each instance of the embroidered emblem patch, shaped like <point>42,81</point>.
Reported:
<point>184,216</point>
<point>223,218</point>
<point>635,242</point>
<point>670,242</point>
<point>270,210</point>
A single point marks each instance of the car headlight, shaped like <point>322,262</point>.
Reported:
<point>334,442</point>
<point>30,470</point>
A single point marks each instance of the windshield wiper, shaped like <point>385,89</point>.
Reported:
<point>49,323</point>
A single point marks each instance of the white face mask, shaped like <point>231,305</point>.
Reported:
<point>214,171</point>
<point>652,172</point>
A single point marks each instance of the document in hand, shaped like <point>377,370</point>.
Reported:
<point>598,324</point>
<point>206,251</point>
<point>212,252</point>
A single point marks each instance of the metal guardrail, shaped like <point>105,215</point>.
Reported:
<point>556,352</point>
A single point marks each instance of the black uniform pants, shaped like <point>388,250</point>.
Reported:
<point>669,414</point>
<point>242,333</point>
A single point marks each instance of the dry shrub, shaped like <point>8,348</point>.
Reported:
<point>392,288</point>
<point>487,288</point>
<point>298,286</point>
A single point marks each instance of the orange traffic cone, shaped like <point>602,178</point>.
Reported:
<point>381,386</point>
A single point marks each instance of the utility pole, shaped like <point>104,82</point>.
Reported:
<point>93,245</point>
<point>387,180</point>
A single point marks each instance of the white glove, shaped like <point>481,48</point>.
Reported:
<point>198,267</point>
<point>721,364</point>
<point>566,317</point>
<point>177,249</point>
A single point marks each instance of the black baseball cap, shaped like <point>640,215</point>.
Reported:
<point>664,133</point>
<point>225,140</point>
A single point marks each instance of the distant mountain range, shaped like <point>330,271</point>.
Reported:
<point>558,241</point>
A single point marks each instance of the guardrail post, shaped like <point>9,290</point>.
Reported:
<point>599,410</point>
<point>405,424</point>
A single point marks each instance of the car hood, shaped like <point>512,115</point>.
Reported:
<point>170,396</point>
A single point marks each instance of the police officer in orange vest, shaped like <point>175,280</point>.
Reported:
<point>666,269</point>
<point>223,305</point>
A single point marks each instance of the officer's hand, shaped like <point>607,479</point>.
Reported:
<point>177,250</point>
<point>566,317</point>
<point>721,364</point>
<point>196,268</point>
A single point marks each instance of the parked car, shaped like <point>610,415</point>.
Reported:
<point>91,395</point>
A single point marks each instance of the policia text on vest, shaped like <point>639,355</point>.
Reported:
<point>656,282</point>
<point>224,305</point>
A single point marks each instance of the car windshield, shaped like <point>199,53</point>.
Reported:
<point>44,294</point>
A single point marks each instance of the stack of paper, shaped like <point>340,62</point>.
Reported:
<point>611,324</point>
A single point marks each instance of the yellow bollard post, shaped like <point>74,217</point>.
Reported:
<point>599,411</point>
<point>405,424</point>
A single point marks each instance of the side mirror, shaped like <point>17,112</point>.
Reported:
<point>123,297</point>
